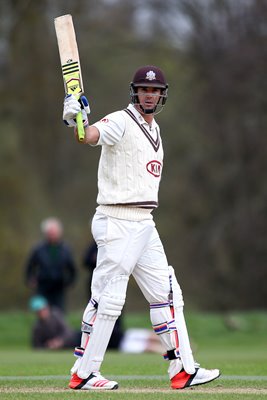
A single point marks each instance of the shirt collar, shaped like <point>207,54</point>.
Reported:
<point>139,117</point>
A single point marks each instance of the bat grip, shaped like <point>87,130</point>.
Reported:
<point>80,127</point>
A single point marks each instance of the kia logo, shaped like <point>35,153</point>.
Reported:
<point>154,168</point>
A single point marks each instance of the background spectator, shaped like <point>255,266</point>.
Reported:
<point>50,268</point>
<point>50,329</point>
<point>89,261</point>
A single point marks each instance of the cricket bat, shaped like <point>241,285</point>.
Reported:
<point>70,62</point>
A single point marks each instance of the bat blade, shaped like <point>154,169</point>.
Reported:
<point>70,61</point>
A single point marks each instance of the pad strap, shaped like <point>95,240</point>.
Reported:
<point>94,303</point>
<point>164,327</point>
<point>87,328</point>
<point>78,352</point>
<point>153,306</point>
<point>171,354</point>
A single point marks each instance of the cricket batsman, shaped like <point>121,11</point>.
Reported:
<point>129,174</point>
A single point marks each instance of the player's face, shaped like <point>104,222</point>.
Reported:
<point>148,97</point>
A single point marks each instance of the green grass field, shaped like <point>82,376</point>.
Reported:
<point>237,344</point>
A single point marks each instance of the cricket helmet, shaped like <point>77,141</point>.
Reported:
<point>149,76</point>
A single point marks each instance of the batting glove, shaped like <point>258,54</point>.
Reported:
<point>72,107</point>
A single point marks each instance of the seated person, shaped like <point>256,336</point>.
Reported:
<point>138,340</point>
<point>50,330</point>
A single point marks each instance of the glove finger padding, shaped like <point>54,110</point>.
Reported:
<point>85,104</point>
<point>71,123</point>
<point>72,107</point>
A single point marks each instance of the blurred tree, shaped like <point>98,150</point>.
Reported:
<point>212,214</point>
<point>224,197</point>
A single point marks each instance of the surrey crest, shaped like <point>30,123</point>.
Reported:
<point>150,75</point>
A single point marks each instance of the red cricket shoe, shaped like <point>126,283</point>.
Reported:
<point>95,381</point>
<point>183,379</point>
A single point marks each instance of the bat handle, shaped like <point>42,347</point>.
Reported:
<point>80,128</point>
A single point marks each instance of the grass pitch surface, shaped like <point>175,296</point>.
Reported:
<point>239,350</point>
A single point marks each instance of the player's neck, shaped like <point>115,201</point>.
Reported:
<point>148,118</point>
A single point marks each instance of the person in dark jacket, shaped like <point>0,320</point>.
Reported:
<point>50,269</point>
<point>89,262</point>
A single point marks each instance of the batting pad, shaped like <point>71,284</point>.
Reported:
<point>163,324</point>
<point>183,339</point>
<point>109,308</point>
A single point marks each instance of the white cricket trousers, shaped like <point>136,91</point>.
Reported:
<point>130,247</point>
